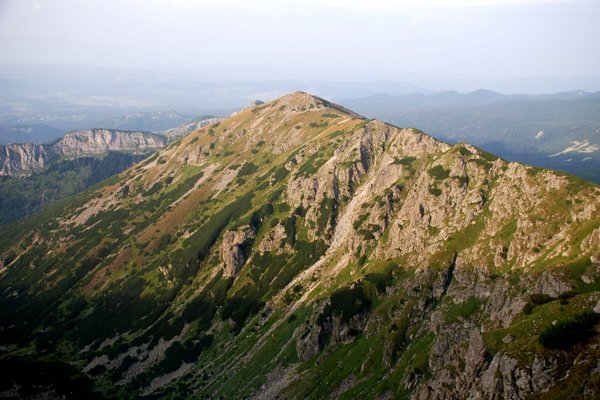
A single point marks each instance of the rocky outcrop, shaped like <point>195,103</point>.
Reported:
<point>234,249</point>
<point>328,330</point>
<point>99,141</point>
<point>23,159</point>
<point>275,241</point>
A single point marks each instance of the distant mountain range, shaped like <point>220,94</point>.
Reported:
<point>559,131</point>
<point>167,122</point>
<point>384,103</point>
<point>145,121</point>
<point>29,134</point>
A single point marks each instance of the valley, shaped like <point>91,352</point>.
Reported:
<point>35,176</point>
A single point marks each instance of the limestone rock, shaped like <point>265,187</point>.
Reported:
<point>274,241</point>
<point>22,159</point>
<point>507,339</point>
<point>26,158</point>
<point>233,249</point>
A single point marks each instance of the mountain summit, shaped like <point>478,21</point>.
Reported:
<point>299,250</point>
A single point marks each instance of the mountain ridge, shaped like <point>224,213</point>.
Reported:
<point>18,159</point>
<point>299,250</point>
<point>391,102</point>
<point>529,129</point>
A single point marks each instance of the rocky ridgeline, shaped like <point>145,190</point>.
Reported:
<point>27,158</point>
<point>298,250</point>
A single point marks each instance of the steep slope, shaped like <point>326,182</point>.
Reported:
<point>298,250</point>
<point>20,197</point>
<point>386,103</point>
<point>21,159</point>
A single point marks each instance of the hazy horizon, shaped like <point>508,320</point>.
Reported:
<point>192,87</point>
<point>434,44</point>
<point>74,64</point>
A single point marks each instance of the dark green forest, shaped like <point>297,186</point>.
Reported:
<point>21,197</point>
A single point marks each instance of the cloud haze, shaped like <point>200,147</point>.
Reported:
<point>400,4</point>
<point>311,39</point>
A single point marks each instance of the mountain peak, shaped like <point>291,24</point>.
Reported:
<point>297,225</point>
<point>302,101</point>
<point>299,100</point>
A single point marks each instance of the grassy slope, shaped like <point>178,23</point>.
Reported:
<point>148,264</point>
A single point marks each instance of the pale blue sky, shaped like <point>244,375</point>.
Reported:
<point>311,39</point>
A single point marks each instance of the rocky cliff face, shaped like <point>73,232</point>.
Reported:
<point>298,250</point>
<point>233,249</point>
<point>98,141</point>
<point>23,159</point>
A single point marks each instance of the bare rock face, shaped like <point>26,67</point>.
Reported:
<point>95,141</point>
<point>330,330</point>
<point>592,244</point>
<point>505,379</point>
<point>233,249</point>
<point>22,159</point>
<point>275,241</point>
<point>309,340</point>
<point>549,283</point>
